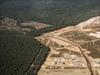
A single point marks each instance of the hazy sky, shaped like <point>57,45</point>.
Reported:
<point>50,11</point>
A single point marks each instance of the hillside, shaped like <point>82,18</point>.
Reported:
<point>73,49</point>
<point>33,48</point>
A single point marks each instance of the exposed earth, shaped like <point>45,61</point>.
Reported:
<point>73,50</point>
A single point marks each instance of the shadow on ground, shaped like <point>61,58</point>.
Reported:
<point>18,51</point>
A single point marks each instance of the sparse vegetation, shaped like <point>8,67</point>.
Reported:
<point>94,47</point>
<point>77,35</point>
